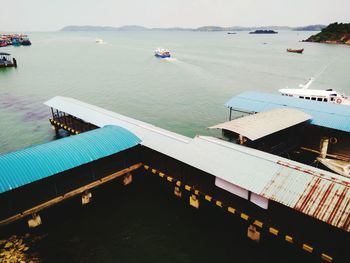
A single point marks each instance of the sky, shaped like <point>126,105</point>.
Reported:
<point>52,15</point>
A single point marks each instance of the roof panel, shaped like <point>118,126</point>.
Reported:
<point>264,123</point>
<point>314,194</point>
<point>323,114</point>
<point>37,162</point>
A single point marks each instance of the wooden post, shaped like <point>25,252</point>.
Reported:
<point>324,147</point>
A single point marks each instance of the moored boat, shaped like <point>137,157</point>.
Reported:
<point>162,53</point>
<point>25,41</point>
<point>6,61</point>
<point>3,43</point>
<point>295,50</point>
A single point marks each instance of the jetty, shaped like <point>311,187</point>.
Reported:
<point>268,194</point>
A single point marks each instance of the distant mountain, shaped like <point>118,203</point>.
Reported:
<point>336,33</point>
<point>131,28</point>
<point>104,28</point>
<point>201,29</point>
<point>310,28</point>
<point>241,28</point>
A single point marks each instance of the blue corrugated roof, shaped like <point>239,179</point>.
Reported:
<point>323,114</point>
<point>37,162</point>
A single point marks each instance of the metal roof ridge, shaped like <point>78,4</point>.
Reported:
<point>314,171</point>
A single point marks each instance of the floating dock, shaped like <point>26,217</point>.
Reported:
<point>295,203</point>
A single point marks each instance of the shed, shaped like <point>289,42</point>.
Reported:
<point>262,124</point>
<point>323,114</point>
<point>41,161</point>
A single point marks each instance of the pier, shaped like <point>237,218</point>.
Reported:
<point>269,195</point>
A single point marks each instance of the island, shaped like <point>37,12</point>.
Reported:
<point>263,32</point>
<point>336,33</point>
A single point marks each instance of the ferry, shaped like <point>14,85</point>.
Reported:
<point>328,95</point>
<point>162,53</point>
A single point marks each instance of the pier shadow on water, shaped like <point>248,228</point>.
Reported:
<point>145,222</point>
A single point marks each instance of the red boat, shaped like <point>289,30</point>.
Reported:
<point>295,50</point>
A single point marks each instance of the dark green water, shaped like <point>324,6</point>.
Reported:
<point>185,94</point>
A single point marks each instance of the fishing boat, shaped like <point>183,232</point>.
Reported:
<point>328,95</point>
<point>295,50</point>
<point>162,53</point>
<point>16,42</point>
<point>6,61</point>
<point>25,41</point>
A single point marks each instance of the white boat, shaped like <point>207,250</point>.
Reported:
<point>162,53</point>
<point>329,95</point>
<point>99,41</point>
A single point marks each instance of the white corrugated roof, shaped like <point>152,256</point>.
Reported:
<point>248,168</point>
<point>261,124</point>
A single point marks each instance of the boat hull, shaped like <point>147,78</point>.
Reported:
<point>162,56</point>
<point>299,51</point>
<point>9,65</point>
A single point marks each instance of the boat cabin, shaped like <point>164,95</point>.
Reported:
<point>328,95</point>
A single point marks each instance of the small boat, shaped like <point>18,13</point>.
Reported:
<point>25,41</point>
<point>328,95</point>
<point>295,50</point>
<point>99,41</point>
<point>16,42</point>
<point>6,61</point>
<point>162,53</point>
<point>231,33</point>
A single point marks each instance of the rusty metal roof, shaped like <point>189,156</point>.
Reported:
<point>315,194</point>
<point>261,124</point>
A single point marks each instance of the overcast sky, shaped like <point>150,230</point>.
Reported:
<point>48,15</point>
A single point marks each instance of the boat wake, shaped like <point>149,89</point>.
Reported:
<point>171,59</point>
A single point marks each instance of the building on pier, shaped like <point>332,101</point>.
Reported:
<point>290,200</point>
<point>43,175</point>
<point>268,194</point>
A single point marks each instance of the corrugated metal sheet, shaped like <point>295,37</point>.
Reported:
<point>323,114</point>
<point>37,162</point>
<point>245,167</point>
<point>314,194</point>
<point>264,123</point>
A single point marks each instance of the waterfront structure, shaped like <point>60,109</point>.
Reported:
<point>269,195</point>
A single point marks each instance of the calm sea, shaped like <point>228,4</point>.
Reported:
<point>185,94</point>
